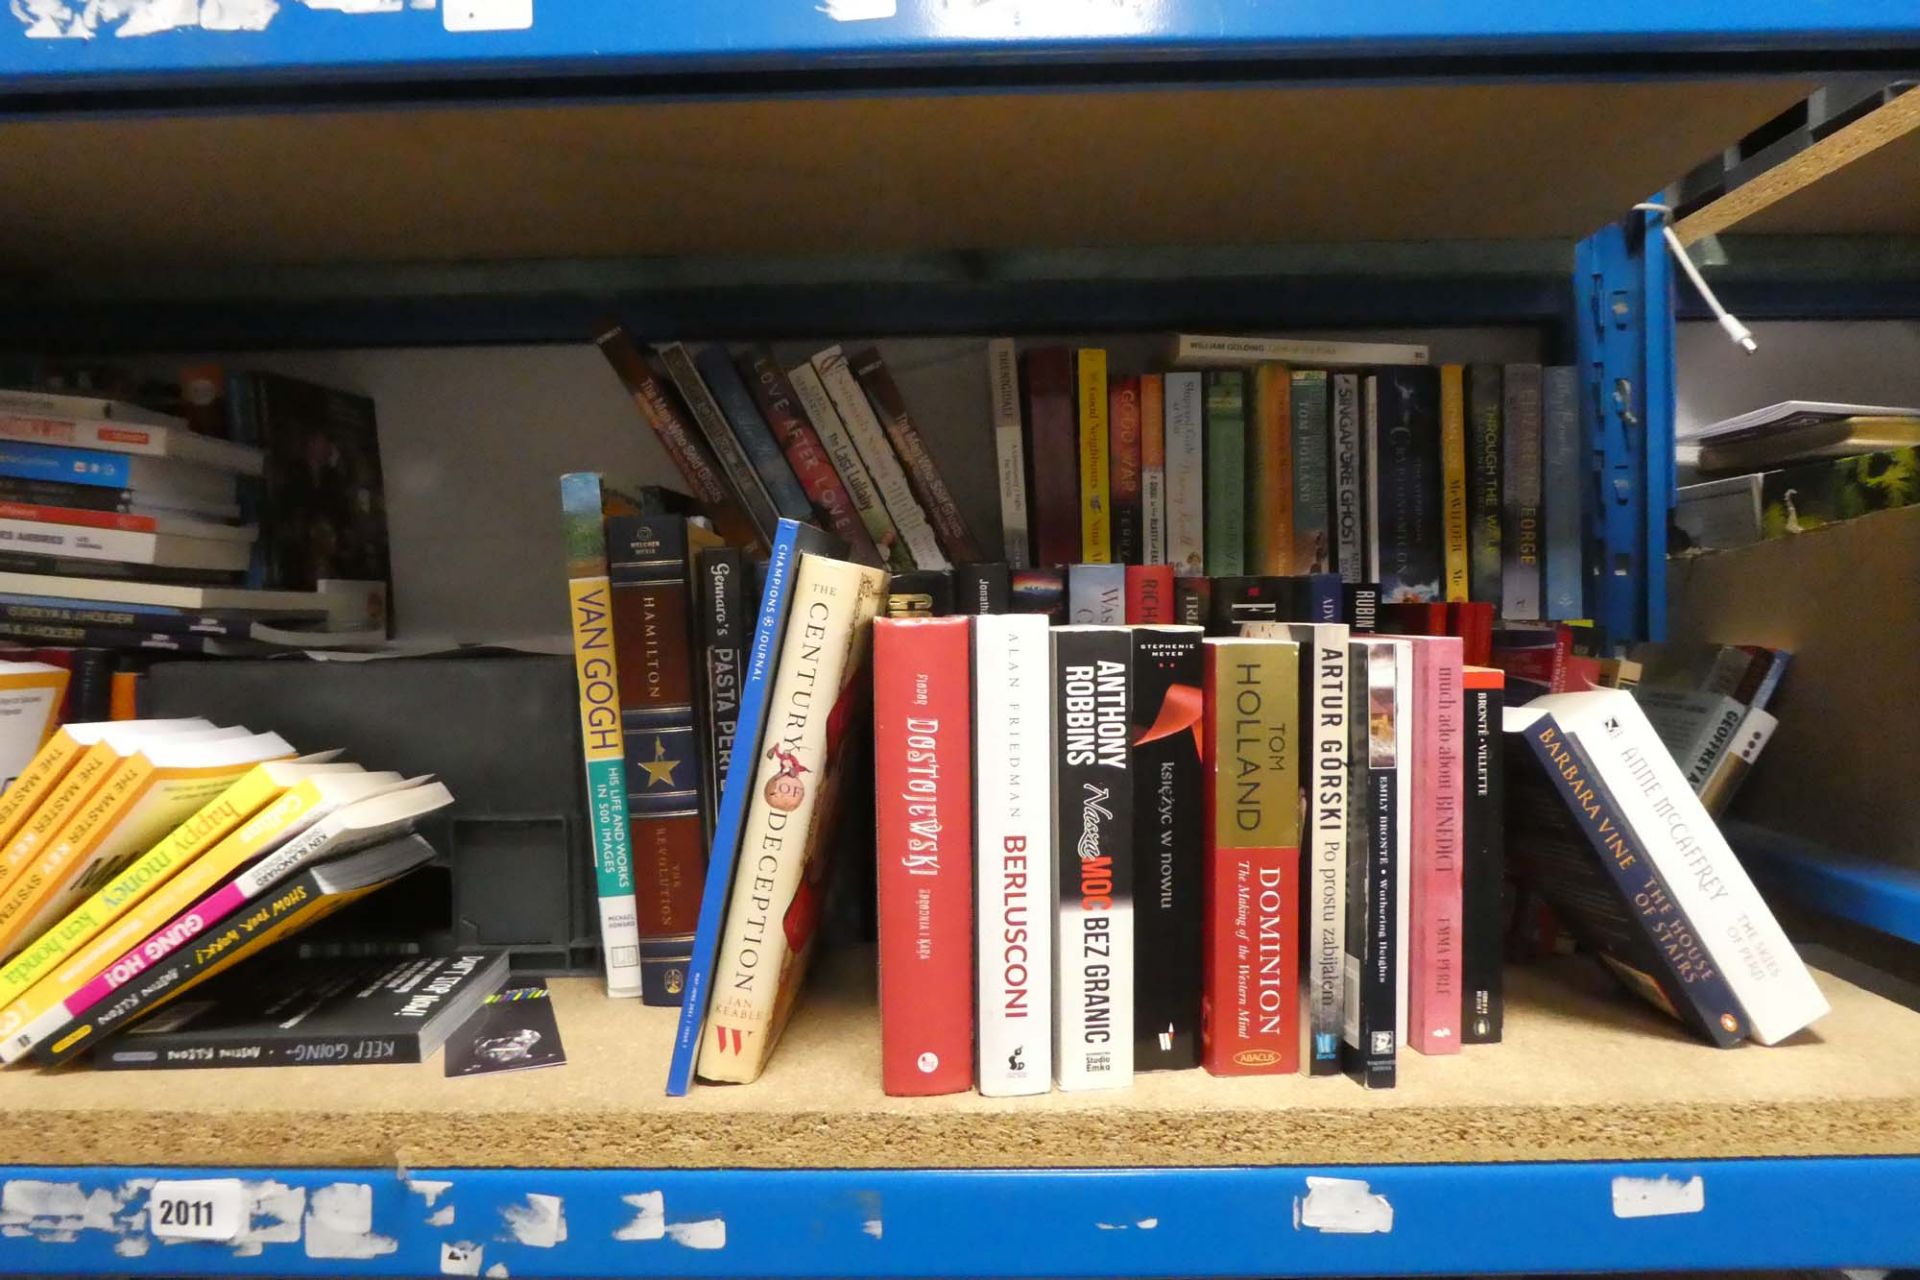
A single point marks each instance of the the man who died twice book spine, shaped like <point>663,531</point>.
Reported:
<point>1374,739</point>
<point>1167,830</point>
<point>1093,823</point>
<point>1483,857</point>
<point>1250,997</point>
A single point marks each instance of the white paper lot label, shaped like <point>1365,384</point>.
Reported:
<point>207,1209</point>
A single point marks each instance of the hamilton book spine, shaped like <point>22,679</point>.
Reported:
<point>1368,1041</point>
<point>1483,856</point>
<point>1093,884</point>
<point>1052,486</point>
<point>1168,826</point>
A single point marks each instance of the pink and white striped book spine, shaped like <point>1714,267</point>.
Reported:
<point>1438,774</point>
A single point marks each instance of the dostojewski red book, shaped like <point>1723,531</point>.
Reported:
<point>1093,823</point>
<point>1434,960</point>
<point>1123,465</point>
<point>1483,857</point>
<point>1250,1001</point>
<point>923,831</point>
<point>1375,737</point>
<point>1150,593</point>
<point>1053,487</point>
<point>1167,831</point>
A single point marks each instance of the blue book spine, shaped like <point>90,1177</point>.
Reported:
<point>20,461</point>
<point>1560,486</point>
<point>1324,597</point>
<point>751,430</point>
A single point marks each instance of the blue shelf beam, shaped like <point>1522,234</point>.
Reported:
<point>1879,895</point>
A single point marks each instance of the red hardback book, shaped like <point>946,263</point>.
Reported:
<point>923,836</point>
<point>1150,593</point>
<point>1414,618</point>
<point>1472,621</point>
<point>808,457</point>
<point>1250,887</point>
<point>1434,915</point>
<point>1541,654</point>
<point>1053,454</point>
<point>1123,468</point>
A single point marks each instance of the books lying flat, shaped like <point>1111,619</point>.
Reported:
<point>343,604</point>
<point>1846,437</point>
<point>56,404</point>
<point>1784,416</point>
<point>109,436</point>
<point>1199,350</point>
<point>162,481</point>
<point>79,542</point>
<point>178,526</point>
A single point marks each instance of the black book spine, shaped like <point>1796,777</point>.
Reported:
<point>58,493</point>
<point>1042,590</point>
<point>1369,1047</point>
<point>982,588</point>
<point>227,1050</point>
<point>1520,493</point>
<point>1483,482</point>
<point>91,697</point>
<point>1237,600</point>
<point>1360,606</point>
<point>920,593</point>
<point>1411,546</point>
<point>1192,601</point>
<point>723,630</point>
<point>1483,864</point>
<point>1167,838</point>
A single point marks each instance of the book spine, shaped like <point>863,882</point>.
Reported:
<point>1484,401</point>
<point>129,438</point>
<point>723,618</point>
<point>602,746</point>
<point>1149,593</point>
<point>29,610</point>
<point>1168,707</point>
<point>690,456</point>
<point>1323,689</point>
<point>1042,591</point>
<point>1520,494</point>
<point>1013,741</point>
<point>1453,478</point>
<point>1192,601</point>
<point>1269,473</point>
<point>1312,479</point>
<point>1346,458</point>
<point>1052,439</point>
<point>850,402</point>
<point>924,593</point>
<point>1731,769</point>
<point>845,456</point>
<point>749,490</point>
<point>1191,348</point>
<point>1434,1002</point>
<point>779,406</point>
<point>1360,606</point>
<point>923,826</point>
<point>1153,466</point>
<point>1251,878</point>
<point>1125,459</point>
<point>982,588</point>
<point>203,1052</point>
<point>1370,996</point>
<point>55,493</point>
<point>1483,859</point>
<point>167,551</point>
<point>1093,824</point>
<point>1409,489</point>
<point>1097,594</point>
<point>1003,395</point>
<point>1403,780</point>
<point>923,476</point>
<point>1226,451</point>
<point>1096,496</point>
<point>1186,475</point>
<point>1370,478</point>
<point>35,780</point>
<point>1561,482</point>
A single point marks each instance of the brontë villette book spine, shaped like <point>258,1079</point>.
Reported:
<point>1167,831</point>
<point>1013,858</point>
<point>791,540</point>
<point>1368,1036</point>
<point>1093,823</point>
<point>1483,856</point>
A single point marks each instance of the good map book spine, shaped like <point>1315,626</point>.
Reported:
<point>1453,477</point>
<point>1346,457</point>
<point>779,404</point>
<point>1096,485</point>
<point>1369,1044</point>
<point>982,588</point>
<point>748,488</point>
<point>1312,475</point>
<point>1167,830</point>
<point>1093,884</point>
<point>845,456</point>
<point>1408,492</point>
<point>1226,447</point>
<point>1009,446</point>
<point>736,405</point>
<point>923,475</point>
<point>1269,472</point>
<point>1150,593</point>
<point>1053,484</point>
<point>1153,467</point>
<point>1520,494</point>
<point>723,614</point>
<point>1561,483</point>
<point>857,415</point>
<point>1124,463</point>
<point>1097,594</point>
<point>1483,859</point>
<point>1485,397</point>
<point>1186,475</point>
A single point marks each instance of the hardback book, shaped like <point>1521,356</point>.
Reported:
<point>1153,467</point>
<point>1009,447</point>
<point>1233,602</point>
<point>1199,349</point>
<point>1312,475</point>
<point>224,624</point>
<point>779,404</point>
<point>749,488</point>
<point>165,550</point>
<point>1226,450</point>
<point>772,915</point>
<point>30,697</point>
<point>62,405</point>
<point>1052,486</point>
<point>1093,880</point>
<point>1453,480</point>
<point>1562,480</point>
<point>921,593</point>
<point>1042,591</point>
<point>1731,769</point>
<point>1168,825</point>
<point>736,404</point>
<point>923,476</point>
<point>602,742</point>
<point>96,637</point>
<point>1369,1036</point>
<point>1486,397</point>
<point>776,602</point>
<point>653,629</point>
<point>845,456</point>
<point>1403,450</point>
<point>1786,416</point>
<point>147,440</point>
<point>982,588</point>
<point>1360,606</point>
<point>65,493</point>
<point>172,524</point>
<point>1193,601</point>
<point>1150,594</point>
<point>1708,883</point>
<point>1268,509</point>
<point>1250,995</point>
<point>1733,511</point>
<point>1097,594</point>
<point>1347,460</point>
<point>724,627</point>
<point>1696,727</point>
<point>889,477</point>
<point>1095,453</point>
<point>1807,442</point>
<point>1434,955</point>
<point>1013,852</point>
<point>1322,595</point>
<point>1520,492</point>
<point>923,831</point>
<point>1185,418</point>
<point>1323,788</point>
<point>1483,857</point>
<point>1124,462</point>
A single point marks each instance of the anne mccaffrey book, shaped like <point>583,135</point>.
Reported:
<point>856,414</point>
<point>1093,823</point>
<point>1167,830</point>
<point>923,476</point>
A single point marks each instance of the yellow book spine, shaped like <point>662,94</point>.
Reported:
<point>1096,499</point>
<point>1269,511</point>
<point>48,766</point>
<point>1453,478</point>
<point>89,824</point>
<point>96,763</point>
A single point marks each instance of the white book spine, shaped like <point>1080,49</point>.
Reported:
<point>1186,476</point>
<point>1003,392</point>
<point>1403,834</point>
<point>83,542</point>
<point>1706,879</point>
<point>1371,487</point>
<point>1324,913</point>
<point>132,438</point>
<point>815,403</point>
<point>1218,351</point>
<point>871,440</point>
<point>1349,513</point>
<point>1013,748</point>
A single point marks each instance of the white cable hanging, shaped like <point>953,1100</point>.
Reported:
<point>1737,332</point>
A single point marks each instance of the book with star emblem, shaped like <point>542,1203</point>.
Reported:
<point>653,630</point>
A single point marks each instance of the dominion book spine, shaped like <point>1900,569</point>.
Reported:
<point>1226,447</point>
<point>1434,1000</point>
<point>1485,397</point>
<point>1483,857</point>
<point>1096,456</point>
<point>1053,486</point>
<point>1167,830</point>
<point>1009,447</point>
<point>1347,461</point>
<point>923,474</point>
<point>1093,886</point>
<point>876,454</point>
<point>1520,483</point>
<point>1186,475</point>
<point>778,403</point>
<point>1124,468</point>
<point>923,832</point>
<point>1453,478</point>
<point>1368,1039</point>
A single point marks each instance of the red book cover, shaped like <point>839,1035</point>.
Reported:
<point>1434,915</point>
<point>1543,656</point>
<point>1472,621</point>
<point>923,837</point>
<point>1250,908</point>
<point>1123,469</point>
<point>1150,593</point>
<point>1053,457</point>
<point>1414,618</point>
<point>812,467</point>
